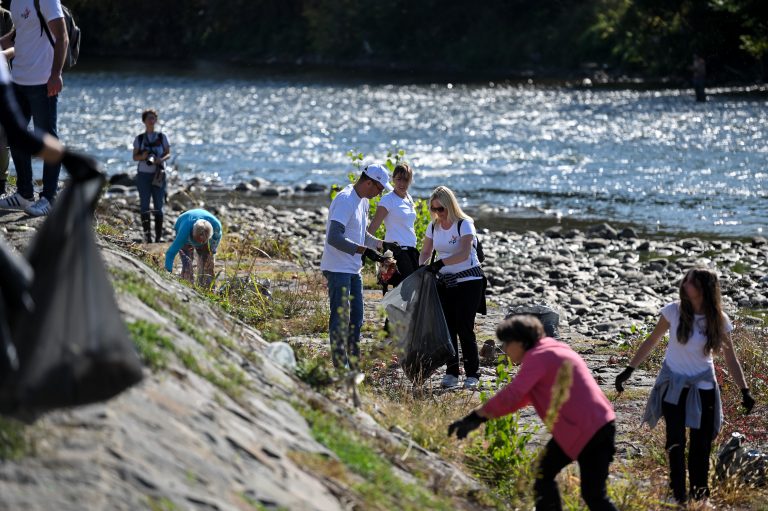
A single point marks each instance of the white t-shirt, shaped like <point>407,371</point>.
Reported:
<point>400,219</point>
<point>446,242</point>
<point>689,359</point>
<point>34,52</point>
<point>149,143</point>
<point>351,211</point>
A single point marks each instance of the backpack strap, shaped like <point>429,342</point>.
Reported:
<point>434,252</point>
<point>158,141</point>
<point>474,238</point>
<point>43,24</point>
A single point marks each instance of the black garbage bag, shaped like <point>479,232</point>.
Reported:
<point>418,326</point>
<point>73,349</point>
<point>15,280</point>
<point>735,459</point>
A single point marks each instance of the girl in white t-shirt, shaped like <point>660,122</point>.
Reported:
<point>398,212</point>
<point>462,291</point>
<point>697,327</point>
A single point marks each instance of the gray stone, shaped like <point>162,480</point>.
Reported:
<point>604,231</point>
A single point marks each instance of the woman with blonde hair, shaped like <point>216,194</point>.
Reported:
<point>686,392</point>
<point>461,281</point>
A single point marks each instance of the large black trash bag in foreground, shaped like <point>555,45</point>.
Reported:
<point>15,280</point>
<point>73,349</point>
<point>418,325</point>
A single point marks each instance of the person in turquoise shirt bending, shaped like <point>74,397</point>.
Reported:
<point>199,231</point>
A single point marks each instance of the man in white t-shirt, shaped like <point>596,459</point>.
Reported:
<point>346,243</point>
<point>37,81</point>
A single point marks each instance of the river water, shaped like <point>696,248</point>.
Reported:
<point>653,159</point>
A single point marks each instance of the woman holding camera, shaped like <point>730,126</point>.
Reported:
<point>151,149</point>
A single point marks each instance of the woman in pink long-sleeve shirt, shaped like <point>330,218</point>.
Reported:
<point>583,427</point>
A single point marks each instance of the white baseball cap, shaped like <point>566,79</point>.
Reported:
<point>378,173</point>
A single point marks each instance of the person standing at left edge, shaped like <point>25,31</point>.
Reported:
<point>346,243</point>
<point>37,81</point>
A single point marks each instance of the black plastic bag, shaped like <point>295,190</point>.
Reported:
<point>73,349</point>
<point>15,280</point>
<point>418,325</point>
<point>749,465</point>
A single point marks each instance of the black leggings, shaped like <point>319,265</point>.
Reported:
<point>698,451</point>
<point>460,304</point>
<point>593,459</point>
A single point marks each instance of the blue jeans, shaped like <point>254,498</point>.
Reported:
<point>345,291</point>
<point>36,105</point>
<point>147,191</point>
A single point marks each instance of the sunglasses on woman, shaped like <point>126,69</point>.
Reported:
<point>438,209</point>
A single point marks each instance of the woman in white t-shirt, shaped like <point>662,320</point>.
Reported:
<point>697,327</point>
<point>398,212</point>
<point>461,280</point>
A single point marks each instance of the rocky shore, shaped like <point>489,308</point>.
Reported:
<point>219,424</point>
<point>601,280</point>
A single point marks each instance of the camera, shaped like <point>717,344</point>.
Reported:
<point>150,159</point>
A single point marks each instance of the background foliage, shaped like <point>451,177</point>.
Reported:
<point>496,37</point>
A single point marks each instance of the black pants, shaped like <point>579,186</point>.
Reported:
<point>698,451</point>
<point>407,262</point>
<point>460,304</point>
<point>593,459</point>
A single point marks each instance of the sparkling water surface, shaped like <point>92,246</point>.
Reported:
<point>654,159</point>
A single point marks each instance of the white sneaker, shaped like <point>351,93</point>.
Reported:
<point>40,208</point>
<point>15,201</point>
<point>449,381</point>
<point>471,383</point>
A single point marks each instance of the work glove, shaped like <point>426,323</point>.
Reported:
<point>80,166</point>
<point>393,246</point>
<point>747,401</point>
<point>373,255</point>
<point>466,425</point>
<point>623,377</point>
<point>435,266</point>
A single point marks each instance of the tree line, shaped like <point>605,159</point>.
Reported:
<point>649,38</point>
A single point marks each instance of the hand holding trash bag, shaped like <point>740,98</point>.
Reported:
<point>623,377</point>
<point>435,266</point>
<point>466,425</point>
<point>393,246</point>
<point>80,166</point>
<point>373,256</point>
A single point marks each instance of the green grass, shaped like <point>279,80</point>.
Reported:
<point>15,443</point>
<point>377,485</point>
<point>161,504</point>
<point>148,293</point>
<point>152,346</point>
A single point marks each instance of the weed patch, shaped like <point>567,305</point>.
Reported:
<point>379,487</point>
<point>15,442</point>
<point>153,347</point>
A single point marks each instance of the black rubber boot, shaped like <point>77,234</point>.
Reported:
<point>146,224</point>
<point>158,227</point>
